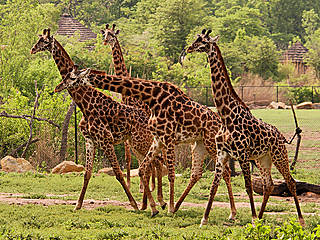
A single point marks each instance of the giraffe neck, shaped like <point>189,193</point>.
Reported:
<point>61,58</point>
<point>225,97</point>
<point>154,94</point>
<point>81,95</point>
<point>118,60</point>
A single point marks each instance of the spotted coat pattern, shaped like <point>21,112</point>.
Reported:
<point>175,119</point>
<point>110,38</point>
<point>242,136</point>
<point>104,123</point>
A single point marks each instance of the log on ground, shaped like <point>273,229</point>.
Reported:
<point>281,189</point>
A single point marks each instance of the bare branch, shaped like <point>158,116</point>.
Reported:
<point>14,151</point>
<point>27,117</point>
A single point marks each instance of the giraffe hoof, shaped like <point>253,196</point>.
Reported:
<point>163,206</point>
<point>302,223</point>
<point>232,217</point>
<point>154,213</point>
<point>143,208</point>
<point>76,208</point>
<point>203,222</point>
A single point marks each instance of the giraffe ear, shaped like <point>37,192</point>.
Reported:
<point>102,31</point>
<point>216,38</point>
<point>84,72</point>
<point>117,32</point>
<point>75,68</point>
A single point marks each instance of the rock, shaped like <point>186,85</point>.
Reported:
<point>66,167</point>
<point>135,172</point>
<point>304,105</point>
<point>11,164</point>
<point>316,106</point>
<point>277,105</point>
<point>108,171</point>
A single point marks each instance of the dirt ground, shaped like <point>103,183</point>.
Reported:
<point>18,199</point>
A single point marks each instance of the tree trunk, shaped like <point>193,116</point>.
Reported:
<point>64,132</point>
<point>281,189</point>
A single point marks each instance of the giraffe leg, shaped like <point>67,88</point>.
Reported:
<point>90,152</point>
<point>144,198</point>
<point>109,151</point>
<point>281,162</point>
<point>145,172</point>
<point>210,145</point>
<point>264,164</point>
<point>153,180</point>
<point>158,164</point>
<point>222,160</point>
<point>170,156</point>
<point>227,178</point>
<point>198,153</point>
<point>245,167</point>
<point>128,161</point>
<point>153,177</point>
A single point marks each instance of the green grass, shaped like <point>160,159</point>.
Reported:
<point>110,222</point>
<point>61,222</point>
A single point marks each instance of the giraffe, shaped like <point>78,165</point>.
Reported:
<point>242,136</point>
<point>110,37</point>
<point>175,119</point>
<point>104,122</point>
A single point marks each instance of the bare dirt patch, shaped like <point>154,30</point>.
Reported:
<point>19,199</point>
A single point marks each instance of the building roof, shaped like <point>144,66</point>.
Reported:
<point>68,26</point>
<point>295,53</point>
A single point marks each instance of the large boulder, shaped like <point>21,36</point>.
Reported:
<point>277,105</point>
<point>316,106</point>
<point>304,105</point>
<point>11,164</point>
<point>67,167</point>
<point>108,171</point>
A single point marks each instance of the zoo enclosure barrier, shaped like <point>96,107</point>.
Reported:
<point>260,95</point>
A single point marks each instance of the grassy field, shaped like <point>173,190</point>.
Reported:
<point>115,222</point>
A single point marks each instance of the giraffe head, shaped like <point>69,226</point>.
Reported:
<point>74,79</point>
<point>203,42</point>
<point>44,43</point>
<point>109,35</point>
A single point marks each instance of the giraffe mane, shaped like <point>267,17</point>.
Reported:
<point>64,51</point>
<point>233,92</point>
<point>100,72</point>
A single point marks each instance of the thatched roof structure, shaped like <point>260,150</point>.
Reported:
<point>68,26</point>
<point>295,53</point>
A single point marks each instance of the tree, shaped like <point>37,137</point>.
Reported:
<point>260,56</point>
<point>313,56</point>
<point>172,23</point>
<point>20,22</point>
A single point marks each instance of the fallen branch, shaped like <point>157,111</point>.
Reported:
<point>281,188</point>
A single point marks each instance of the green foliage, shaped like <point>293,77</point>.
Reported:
<point>173,21</point>
<point>291,230</point>
<point>303,94</point>
<point>19,23</point>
